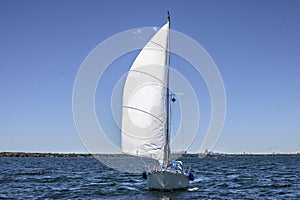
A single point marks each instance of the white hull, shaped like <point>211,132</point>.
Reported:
<point>164,180</point>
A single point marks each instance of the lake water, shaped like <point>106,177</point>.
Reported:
<point>239,177</point>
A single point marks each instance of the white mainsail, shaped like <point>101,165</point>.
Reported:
<point>144,99</point>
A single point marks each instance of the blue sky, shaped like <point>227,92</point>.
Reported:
<point>255,45</point>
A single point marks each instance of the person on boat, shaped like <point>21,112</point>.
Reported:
<point>144,175</point>
<point>177,167</point>
<point>154,169</point>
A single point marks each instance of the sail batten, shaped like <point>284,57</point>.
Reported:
<point>144,96</point>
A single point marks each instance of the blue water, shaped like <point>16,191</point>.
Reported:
<point>240,177</point>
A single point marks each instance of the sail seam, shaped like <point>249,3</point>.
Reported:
<point>157,45</point>
<point>148,75</point>
<point>129,107</point>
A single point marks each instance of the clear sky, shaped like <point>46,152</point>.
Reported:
<point>254,43</point>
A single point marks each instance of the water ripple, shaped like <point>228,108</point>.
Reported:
<point>253,177</point>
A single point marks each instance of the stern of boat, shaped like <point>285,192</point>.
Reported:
<point>165,180</point>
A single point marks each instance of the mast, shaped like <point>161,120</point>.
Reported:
<point>167,139</point>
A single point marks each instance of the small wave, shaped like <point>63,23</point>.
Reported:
<point>128,188</point>
<point>193,189</point>
<point>233,176</point>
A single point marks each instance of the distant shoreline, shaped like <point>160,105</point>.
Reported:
<point>87,155</point>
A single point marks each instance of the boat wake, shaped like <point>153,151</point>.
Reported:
<point>196,180</point>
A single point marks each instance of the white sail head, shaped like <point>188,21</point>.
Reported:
<point>143,111</point>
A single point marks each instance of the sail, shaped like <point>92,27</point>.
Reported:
<point>143,109</point>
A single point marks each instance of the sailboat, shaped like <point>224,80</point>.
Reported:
<point>145,114</point>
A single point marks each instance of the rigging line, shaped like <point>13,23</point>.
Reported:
<point>172,127</point>
<point>171,120</point>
